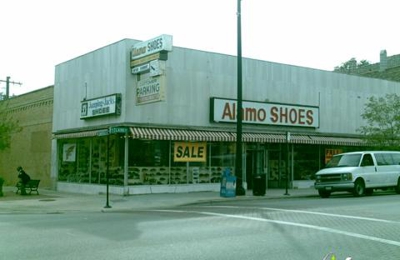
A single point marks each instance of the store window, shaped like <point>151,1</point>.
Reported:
<point>150,162</point>
<point>306,161</point>
<point>222,157</point>
<point>84,160</point>
<point>68,161</point>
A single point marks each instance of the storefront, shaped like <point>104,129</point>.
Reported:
<point>162,119</point>
<point>177,158</point>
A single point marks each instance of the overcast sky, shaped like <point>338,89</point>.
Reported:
<point>36,35</point>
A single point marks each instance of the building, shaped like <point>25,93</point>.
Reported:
<point>31,147</point>
<point>163,118</point>
<point>387,68</point>
<point>168,118</point>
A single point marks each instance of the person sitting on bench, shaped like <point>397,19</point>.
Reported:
<point>24,178</point>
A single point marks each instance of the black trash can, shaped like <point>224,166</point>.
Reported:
<point>259,185</point>
<point>240,191</point>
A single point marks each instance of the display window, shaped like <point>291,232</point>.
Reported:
<point>150,162</point>
<point>84,160</point>
<point>164,162</point>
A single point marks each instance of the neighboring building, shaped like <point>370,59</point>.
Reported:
<point>171,114</point>
<point>30,148</point>
<point>387,68</point>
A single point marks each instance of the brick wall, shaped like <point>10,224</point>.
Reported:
<point>31,147</point>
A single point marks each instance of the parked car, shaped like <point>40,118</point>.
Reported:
<point>359,173</point>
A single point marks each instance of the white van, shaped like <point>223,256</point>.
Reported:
<point>359,173</point>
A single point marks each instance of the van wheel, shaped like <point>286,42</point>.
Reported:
<point>359,188</point>
<point>324,194</point>
<point>369,192</point>
<point>397,188</point>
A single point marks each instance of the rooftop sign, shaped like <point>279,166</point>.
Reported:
<point>160,43</point>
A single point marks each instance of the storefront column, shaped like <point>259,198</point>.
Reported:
<point>126,165</point>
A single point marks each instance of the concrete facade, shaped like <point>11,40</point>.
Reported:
<point>193,76</point>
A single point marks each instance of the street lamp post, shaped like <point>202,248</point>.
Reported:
<point>239,171</point>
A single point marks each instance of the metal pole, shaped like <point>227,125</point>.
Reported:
<point>108,172</point>
<point>126,164</point>
<point>287,163</point>
<point>239,171</point>
<point>292,167</point>
<point>8,88</point>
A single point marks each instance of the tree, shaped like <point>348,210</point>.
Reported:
<point>8,126</point>
<point>351,65</point>
<point>383,122</point>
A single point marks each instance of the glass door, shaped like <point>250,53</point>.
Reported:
<point>254,165</point>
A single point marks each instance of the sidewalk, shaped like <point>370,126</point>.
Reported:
<point>54,202</point>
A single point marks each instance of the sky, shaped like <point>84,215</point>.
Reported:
<point>36,35</point>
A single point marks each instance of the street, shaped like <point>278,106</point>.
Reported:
<point>290,228</point>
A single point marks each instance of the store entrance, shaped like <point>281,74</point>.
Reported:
<point>254,165</point>
<point>277,162</point>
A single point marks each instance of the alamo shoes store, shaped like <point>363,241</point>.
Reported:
<point>159,118</point>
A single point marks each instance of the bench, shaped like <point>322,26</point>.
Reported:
<point>32,185</point>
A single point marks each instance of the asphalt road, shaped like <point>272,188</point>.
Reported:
<point>293,228</point>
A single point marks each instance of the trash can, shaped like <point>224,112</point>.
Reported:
<point>240,191</point>
<point>228,184</point>
<point>259,185</point>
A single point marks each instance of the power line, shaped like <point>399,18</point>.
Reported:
<point>7,81</point>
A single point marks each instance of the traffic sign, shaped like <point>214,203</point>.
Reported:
<point>118,130</point>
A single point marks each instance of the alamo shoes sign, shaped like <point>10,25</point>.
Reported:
<point>157,44</point>
<point>225,110</point>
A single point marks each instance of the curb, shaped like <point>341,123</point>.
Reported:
<point>53,202</point>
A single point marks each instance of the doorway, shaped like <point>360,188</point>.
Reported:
<point>254,165</point>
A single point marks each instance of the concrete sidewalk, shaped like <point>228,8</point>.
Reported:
<point>53,202</point>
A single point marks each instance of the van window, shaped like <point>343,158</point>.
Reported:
<point>367,160</point>
<point>344,160</point>
<point>384,159</point>
<point>396,158</point>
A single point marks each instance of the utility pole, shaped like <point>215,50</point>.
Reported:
<point>7,81</point>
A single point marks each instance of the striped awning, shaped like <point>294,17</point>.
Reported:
<point>262,138</point>
<point>181,135</point>
<point>223,136</point>
<point>348,141</point>
<point>76,134</point>
<point>300,139</point>
<point>220,136</point>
